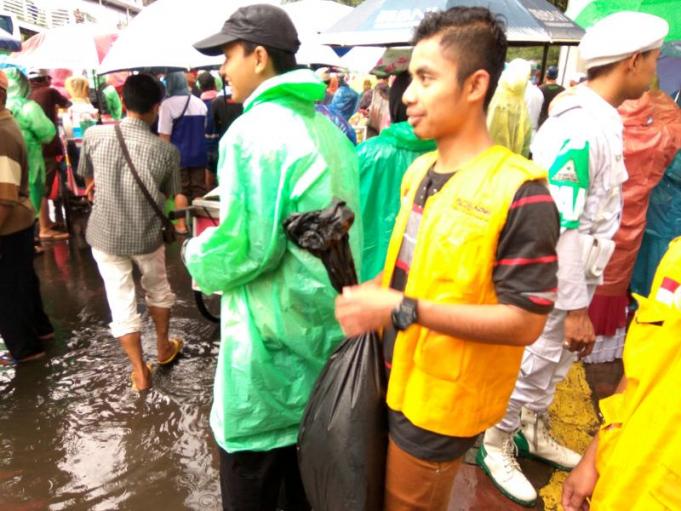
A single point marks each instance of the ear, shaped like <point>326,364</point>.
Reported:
<point>262,60</point>
<point>477,85</point>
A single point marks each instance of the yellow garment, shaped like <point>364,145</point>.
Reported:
<point>508,119</point>
<point>451,386</point>
<point>639,445</point>
<point>77,88</point>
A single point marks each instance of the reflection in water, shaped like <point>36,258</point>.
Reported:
<point>73,435</point>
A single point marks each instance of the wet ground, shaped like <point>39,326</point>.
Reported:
<point>74,436</point>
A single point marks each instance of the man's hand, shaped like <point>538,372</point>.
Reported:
<point>365,308</point>
<point>579,332</point>
<point>90,191</point>
<point>579,485</point>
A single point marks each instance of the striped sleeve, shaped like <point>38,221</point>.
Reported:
<point>10,180</point>
<point>526,265</point>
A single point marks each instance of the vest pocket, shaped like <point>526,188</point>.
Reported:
<point>439,355</point>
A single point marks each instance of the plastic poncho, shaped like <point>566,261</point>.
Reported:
<point>383,160</point>
<point>508,119</point>
<point>639,444</point>
<point>345,101</point>
<point>36,128</point>
<point>278,327</point>
<point>663,225</point>
<point>113,102</point>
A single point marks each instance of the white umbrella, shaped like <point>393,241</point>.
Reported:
<point>161,36</point>
<point>75,47</point>
<point>311,17</point>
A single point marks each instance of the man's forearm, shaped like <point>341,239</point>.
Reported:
<point>493,324</point>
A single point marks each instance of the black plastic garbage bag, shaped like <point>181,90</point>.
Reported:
<point>343,437</point>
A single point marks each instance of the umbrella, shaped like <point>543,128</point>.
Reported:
<point>8,42</point>
<point>75,47</point>
<point>376,60</point>
<point>392,22</point>
<point>147,44</point>
<point>588,12</point>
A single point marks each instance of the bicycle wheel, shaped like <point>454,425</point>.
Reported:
<point>208,305</point>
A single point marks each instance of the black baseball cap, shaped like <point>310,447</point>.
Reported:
<point>262,24</point>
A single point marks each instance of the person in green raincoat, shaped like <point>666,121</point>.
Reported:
<point>383,160</point>
<point>36,128</point>
<point>278,327</point>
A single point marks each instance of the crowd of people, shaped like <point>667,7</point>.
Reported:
<point>496,228</point>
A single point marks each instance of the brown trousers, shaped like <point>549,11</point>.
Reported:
<point>413,484</point>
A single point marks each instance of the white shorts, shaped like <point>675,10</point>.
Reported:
<point>116,271</point>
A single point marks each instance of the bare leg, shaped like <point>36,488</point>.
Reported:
<point>210,180</point>
<point>132,345</point>
<point>181,202</point>
<point>161,319</point>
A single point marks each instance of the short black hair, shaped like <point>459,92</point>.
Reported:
<point>141,93</point>
<point>282,61</point>
<point>598,71</point>
<point>398,110</point>
<point>473,37</point>
<point>206,81</point>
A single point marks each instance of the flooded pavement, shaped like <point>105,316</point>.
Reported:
<point>74,436</point>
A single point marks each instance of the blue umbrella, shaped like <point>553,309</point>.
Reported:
<point>392,22</point>
<point>8,42</point>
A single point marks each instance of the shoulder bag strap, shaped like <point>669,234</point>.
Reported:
<point>184,110</point>
<point>145,191</point>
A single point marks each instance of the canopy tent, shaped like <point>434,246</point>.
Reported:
<point>392,22</point>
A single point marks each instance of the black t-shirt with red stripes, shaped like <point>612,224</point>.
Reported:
<point>524,275</point>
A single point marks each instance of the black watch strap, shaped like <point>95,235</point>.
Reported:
<point>405,314</point>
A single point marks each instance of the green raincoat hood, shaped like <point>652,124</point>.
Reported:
<point>299,85</point>
<point>19,86</point>
<point>278,326</point>
<point>402,135</point>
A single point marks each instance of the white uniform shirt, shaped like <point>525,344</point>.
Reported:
<point>581,145</point>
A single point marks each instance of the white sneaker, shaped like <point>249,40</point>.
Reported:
<point>534,440</point>
<point>496,457</point>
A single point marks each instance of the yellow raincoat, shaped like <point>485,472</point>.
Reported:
<point>639,445</point>
<point>508,119</point>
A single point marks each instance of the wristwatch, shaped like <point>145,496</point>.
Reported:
<point>405,314</point>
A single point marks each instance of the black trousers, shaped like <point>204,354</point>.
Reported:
<point>262,481</point>
<point>22,319</point>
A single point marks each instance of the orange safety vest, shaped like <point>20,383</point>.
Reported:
<point>447,385</point>
<point>639,446</point>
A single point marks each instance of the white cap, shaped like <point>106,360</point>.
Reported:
<point>620,35</point>
<point>37,73</point>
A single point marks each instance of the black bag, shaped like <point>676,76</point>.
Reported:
<point>343,437</point>
<point>167,227</point>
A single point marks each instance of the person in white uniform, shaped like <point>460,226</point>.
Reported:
<point>581,146</point>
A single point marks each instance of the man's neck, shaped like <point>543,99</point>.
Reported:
<point>456,149</point>
<point>608,88</point>
<point>145,118</point>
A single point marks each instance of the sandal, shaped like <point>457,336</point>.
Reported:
<point>132,378</point>
<point>177,347</point>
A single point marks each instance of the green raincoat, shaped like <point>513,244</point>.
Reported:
<point>36,128</point>
<point>278,326</point>
<point>383,160</point>
<point>113,102</point>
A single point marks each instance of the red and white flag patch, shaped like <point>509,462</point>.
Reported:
<point>665,294</point>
